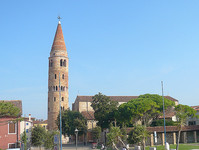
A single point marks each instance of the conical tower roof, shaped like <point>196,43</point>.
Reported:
<point>58,43</point>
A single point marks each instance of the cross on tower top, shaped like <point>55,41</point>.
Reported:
<point>59,18</point>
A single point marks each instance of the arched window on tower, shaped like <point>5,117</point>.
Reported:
<point>64,88</point>
<point>56,88</point>
<point>63,108</point>
<point>53,88</point>
<point>64,64</point>
<point>55,76</point>
<point>61,62</point>
<point>54,99</point>
<point>62,98</point>
<point>61,88</point>
<point>50,63</point>
<point>62,76</point>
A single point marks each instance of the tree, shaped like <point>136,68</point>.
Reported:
<point>70,121</point>
<point>138,135</point>
<point>115,136</point>
<point>38,136</point>
<point>49,141</point>
<point>96,133</point>
<point>183,112</point>
<point>160,122</point>
<point>124,134</point>
<point>144,109</point>
<point>24,139</point>
<point>8,109</point>
<point>104,110</point>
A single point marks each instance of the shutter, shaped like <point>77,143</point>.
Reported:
<point>11,127</point>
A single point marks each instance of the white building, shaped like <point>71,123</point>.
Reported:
<point>26,125</point>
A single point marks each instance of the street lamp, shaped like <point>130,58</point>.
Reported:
<point>76,133</point>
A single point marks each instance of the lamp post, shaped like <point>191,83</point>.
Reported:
<point>76,133</point>
<point>165,140</point>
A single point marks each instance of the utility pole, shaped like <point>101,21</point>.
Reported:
<point>60,114</point>
<point>165,141</point>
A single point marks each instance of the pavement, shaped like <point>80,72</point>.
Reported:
<point>70,147</point>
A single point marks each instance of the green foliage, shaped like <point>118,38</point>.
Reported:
<point>24,139</point>
<point>113,135</point>
<point>124,133</point>
<point>8,109</point>
<point>138,134</point>
<point>38,136</point>
<point>72,120</point>
<point>145,108</point>
<point>160,122</point>
<point>49,141</point>
<point>96,133</point>
<point>183,112</point>
<point>104,110</point>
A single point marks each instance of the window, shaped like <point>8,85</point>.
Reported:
<point>26,130</point>
<point>54,99</point>
<point>62,98</point>
<point>13,145</point>
<point>53,88</point>
<point>50,63</point>
<point>64,88</point>
<point>12,128</point>
<point>56,88</point>
<point>61,62</point>
<point>64,63</point>
<point>27,124</point>
<point>62,76</point>
<point>55,76</point>
<point>63,107</point>
<point>192,123</point>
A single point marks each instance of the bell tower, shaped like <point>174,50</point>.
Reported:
<point>58,65</point>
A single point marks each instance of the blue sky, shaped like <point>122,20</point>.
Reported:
<point>114,47</point>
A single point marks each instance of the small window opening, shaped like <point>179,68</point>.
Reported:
<point>61,62</point>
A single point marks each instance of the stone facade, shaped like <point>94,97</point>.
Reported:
<point>58,71</point>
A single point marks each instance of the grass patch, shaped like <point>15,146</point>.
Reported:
<point>181,147</point>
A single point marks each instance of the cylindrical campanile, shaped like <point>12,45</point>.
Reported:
<point>58,64</point>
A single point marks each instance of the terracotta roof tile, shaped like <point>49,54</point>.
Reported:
<point>195,107</point>
<point>168,115</point>
<point>58,43</point>
<point>89,115</point>
<point>17,103</point>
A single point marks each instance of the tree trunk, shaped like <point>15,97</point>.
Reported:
<point>177,146</point>
<point>144,144</point>
<point>115,146</point>
<point>119,138</point>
